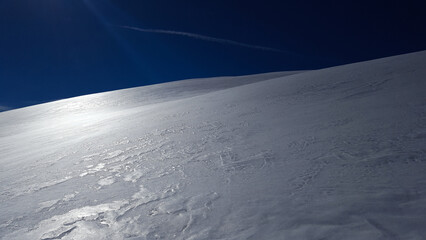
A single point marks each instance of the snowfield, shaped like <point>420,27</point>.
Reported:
<point>337,153</point>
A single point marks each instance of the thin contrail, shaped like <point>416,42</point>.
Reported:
<point>203,37</point>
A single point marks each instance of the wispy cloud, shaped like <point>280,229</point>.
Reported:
<point>203,37</point>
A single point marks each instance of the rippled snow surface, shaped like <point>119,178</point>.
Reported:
<point>337,153</point>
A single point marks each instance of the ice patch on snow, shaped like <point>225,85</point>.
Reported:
<point>106,181</point>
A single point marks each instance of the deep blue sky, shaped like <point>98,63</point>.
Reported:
<point>54,49</point>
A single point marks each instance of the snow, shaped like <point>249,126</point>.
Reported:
<point>336,153</point>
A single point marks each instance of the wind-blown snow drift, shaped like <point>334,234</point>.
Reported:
<point>338,153</point>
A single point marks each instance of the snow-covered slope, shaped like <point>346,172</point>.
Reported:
<point>338,153</point>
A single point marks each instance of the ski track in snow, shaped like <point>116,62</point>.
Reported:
<point>337,153</point>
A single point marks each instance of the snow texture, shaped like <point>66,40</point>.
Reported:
<point>337,153</point>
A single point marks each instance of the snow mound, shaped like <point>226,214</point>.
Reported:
<point>337,153</point>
